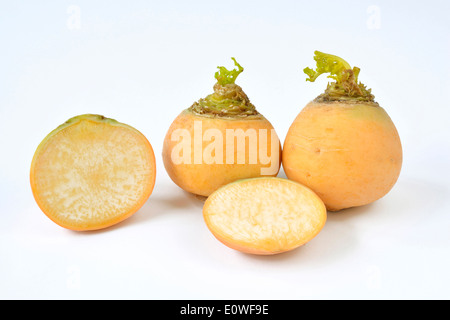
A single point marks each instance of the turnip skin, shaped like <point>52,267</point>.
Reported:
<point>343,144</point>
<point>204,178</point>
<point>227,108</point>
<point>350,154</point>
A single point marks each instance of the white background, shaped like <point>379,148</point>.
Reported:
<point>142,63</point>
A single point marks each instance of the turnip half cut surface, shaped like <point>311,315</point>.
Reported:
<point>92,172</point>
<point>264,215</point>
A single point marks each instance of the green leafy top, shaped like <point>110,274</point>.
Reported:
<point>228,99</point>
<point>346,85</point>
<point>225,76</point>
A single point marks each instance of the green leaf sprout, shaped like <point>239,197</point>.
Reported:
<point>346,85</point>
<point>228,99</point>
<point>225,76</point>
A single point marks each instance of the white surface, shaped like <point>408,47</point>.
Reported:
<point>142,63</point>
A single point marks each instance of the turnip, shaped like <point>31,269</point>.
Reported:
<point>219,139</point>
<point>265,215</point>
<point>92,172</point>
<point>343,145</point>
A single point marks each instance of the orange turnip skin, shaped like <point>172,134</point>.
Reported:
<point>203,179</point>
<point>349,153</point>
